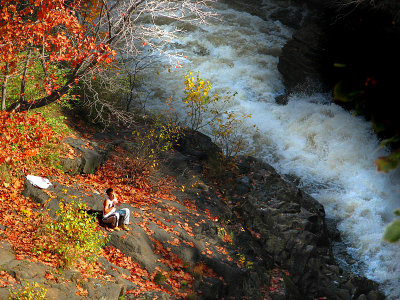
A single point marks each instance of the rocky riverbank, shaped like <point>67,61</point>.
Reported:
<point>259,236</point>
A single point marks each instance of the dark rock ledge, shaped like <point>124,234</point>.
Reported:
<point>276,229</point>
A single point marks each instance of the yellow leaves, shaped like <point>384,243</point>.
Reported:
<point>26,212</point>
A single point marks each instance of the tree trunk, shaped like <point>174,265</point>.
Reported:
<point>23,80</point>
<point>4,88</point>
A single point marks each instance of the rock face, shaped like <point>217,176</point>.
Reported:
<point>279,234</point>
<point>359,35</point>
<point>290,226</point>
<point>65,285</point>
<point>91,157</point>
<point>301,59</point>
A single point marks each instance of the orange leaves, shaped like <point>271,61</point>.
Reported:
<point>188,243</point>
<point>51,277</point>
<point>6,279</point>
<point>139,276</point>
<point>276,281</point>
<point>51,26</point>
<point>21,136</point>
<point>81,291</point>
<point>175,242</point>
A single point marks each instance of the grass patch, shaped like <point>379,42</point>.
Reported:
<point>53,150</point>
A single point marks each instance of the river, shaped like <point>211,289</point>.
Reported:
<point>329,149</point>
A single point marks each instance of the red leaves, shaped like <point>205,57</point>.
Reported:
<point>21,136</point>
<point>139,276</point>
<point>38,26</point>
<point>276,282</point>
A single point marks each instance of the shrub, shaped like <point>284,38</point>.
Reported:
<point>198,101</point>
<point>29,291</point>
<point>226,133</point>
<point>155,138</point>
<point>224,126</point>
<point>73,236</point>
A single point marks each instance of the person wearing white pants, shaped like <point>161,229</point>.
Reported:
<point>113,216</point>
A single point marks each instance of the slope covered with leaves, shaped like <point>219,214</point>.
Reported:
<point>165,216</point>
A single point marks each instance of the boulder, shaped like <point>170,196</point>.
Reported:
<point>302,58</point>
<point>91,157</point>
<point>35,193</point>
<point>197,145</point>
<point>136,245</point>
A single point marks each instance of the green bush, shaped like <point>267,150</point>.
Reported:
<point>29,291</point>
<point>73,236</point>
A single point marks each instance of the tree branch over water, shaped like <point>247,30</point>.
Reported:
<point>74,41</point>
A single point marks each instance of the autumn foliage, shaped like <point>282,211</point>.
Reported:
<point>47,32</point>
<point>21,136</point>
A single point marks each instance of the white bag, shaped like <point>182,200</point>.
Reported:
<point>39,182</point>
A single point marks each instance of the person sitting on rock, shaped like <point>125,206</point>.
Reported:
<point>113,216</point>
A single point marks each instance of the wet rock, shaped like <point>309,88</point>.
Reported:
<point>291,228</point>
<point>301,59</point>
<point>282,99</point>
<point>288,16</point>
<point>373,295</point>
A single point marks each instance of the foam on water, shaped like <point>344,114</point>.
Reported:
<point>329,149</point>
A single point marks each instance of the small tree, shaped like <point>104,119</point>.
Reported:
<point>226,133</point>
<point>198,102</point>
<point>53,33</point>
<point>210,111</point>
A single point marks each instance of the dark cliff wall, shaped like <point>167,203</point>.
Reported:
<point>358,45</point>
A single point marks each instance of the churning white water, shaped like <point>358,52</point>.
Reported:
<point>328,148</point>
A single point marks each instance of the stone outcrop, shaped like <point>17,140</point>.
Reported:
<point>277,230</point>
<point>64,285</point>
<point>290,226</point>
<point>91,157</point>
<point>301,59</point>
<point>359,35</point>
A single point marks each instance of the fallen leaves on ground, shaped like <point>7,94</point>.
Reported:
<point>6,279</point>
<point>23,217</point>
